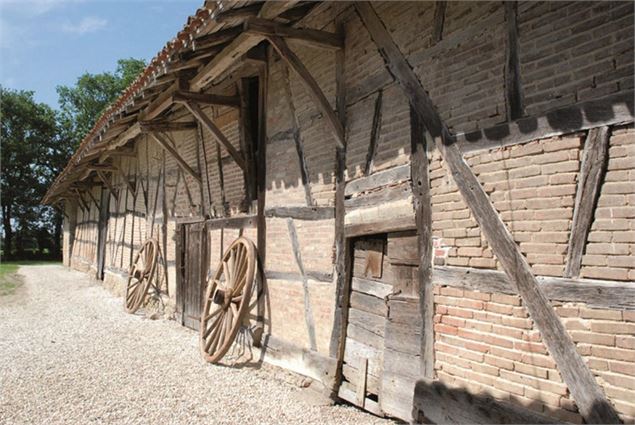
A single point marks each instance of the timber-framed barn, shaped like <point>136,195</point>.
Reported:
<point>441,195</point>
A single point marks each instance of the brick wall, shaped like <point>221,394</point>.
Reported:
<point>487,343</point>
<point>533,188</point>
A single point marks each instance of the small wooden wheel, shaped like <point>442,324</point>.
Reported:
<point>227,299</point>
<point>142,272</point>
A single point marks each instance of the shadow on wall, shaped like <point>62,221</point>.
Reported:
<point>434,402</point>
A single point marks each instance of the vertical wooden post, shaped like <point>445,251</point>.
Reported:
<point>439,20</point>
<point>374,135</point>
<point>423,219</point>
<point>590,178</point>
<point>513,95</point>
<point>247,143</point>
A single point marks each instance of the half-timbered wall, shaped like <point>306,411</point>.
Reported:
<point>485,342</point>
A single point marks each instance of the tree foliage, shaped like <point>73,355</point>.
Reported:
<point>37,142</point>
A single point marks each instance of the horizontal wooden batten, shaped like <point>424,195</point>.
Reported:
<point>595,293</point>
<point>392,193</point>
<point>611,110</point>
<point>376,180</point>
<point>296,277</point>
<point>301,213</point>
<point>242,222</point>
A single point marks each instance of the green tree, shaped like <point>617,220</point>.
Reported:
<point>27,130</point>
<point>82,104</point>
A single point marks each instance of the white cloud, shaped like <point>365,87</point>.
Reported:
<point>86,25</point>
<point>34,7</point>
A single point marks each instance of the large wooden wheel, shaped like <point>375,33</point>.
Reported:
<point>141,275</point>
<point>227,299</point>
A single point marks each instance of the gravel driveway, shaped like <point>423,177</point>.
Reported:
<point>69,354</point>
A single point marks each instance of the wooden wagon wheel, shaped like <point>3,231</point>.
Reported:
<point>227,299</point>
<point>142,272</point>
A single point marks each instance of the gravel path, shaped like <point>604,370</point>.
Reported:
<point>69,354</point>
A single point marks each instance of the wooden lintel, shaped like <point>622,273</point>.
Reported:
<point>108,184</point>
<point>586,392</point>
<point>592,170</point>
<point>206,99</point>
<point>162,126</point>
<point>311,37</point>
<point>301,213</point>
<point>160,139</point>
<point>312,87</point>
<point>216,132</point>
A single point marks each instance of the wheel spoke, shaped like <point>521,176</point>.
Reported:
<point>213,314</point>
<point>213,325</point>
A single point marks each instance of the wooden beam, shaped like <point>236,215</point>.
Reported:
<point>215,39</point>
<point>163,126</point>
<point>240,13</point>
<point>247,139</point>
<point>312,87</point>
<point>274,8</point>
<point>158,137</point>
<point>83,202</point>
<point>590,178</point>
<point>222,61</point>
<point>420,186</point>
<point>125,179</point>
<point>218,135</point>
<point>513,89</point>
<point>611,110</point>
<point>109,185</point>
<point>160,104</point>
<point>297,139</point>
<point>585,390</point>
<point>375,131</point>
<point>221,181</point>
<point>301,213</point>
<point>132,132</point>
<point>307,36</point>
<point>104,168</point>
<point>206,98</point>
<point>439,20</point>
<point>240,222</point>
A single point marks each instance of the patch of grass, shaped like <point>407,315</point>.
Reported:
<point>9,280</point>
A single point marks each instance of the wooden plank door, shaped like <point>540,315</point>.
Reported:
<point>194,272</point>
<point>364,346</point>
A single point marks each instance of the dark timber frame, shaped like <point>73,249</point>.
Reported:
<point>585,390</point>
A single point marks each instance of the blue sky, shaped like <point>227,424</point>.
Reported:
<point>46,43</point>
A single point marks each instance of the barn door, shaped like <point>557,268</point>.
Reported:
<point>193,270</point>
<point>104,213</point>
<point>364,346</point>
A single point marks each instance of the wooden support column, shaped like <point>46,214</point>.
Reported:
<point>304,170</point>
<point>201,136</point>
<point>513,89</point>
<point>585,390</point>
<point>158,137</point>
<point>420,182</point>
<point>247,142</point>
<point>220,137</point>
<point>312,87</point>
<point>342,249</point>
<point>439,20</point>
<point>374,135</point>
<point>221,181</point>
<point>590,178</point>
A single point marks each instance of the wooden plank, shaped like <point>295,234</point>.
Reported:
<point>382,178</point>
<point>183,96</point>
<point>397,395</point>
<point>375,131</point>
<point>611,110</point>
<point>382,225</point>
<point>368,303</point>
<point>158,137</point>
<point>347,393</point>
<point>351,374</point>
<point>384,195</point>
<point>439,20</point>
<point>371,322</point>
<point>403,248</point>
<point>312,87</point>
<point>226,58</point>
<point>590,177</point>
<point>308,310</point>
<point>356,352</point>
<point>423,217</point>
<point>240,222</point>
<point>436,403</point>
<point>405,338</point>
<point>371,287</point>
<point>230,15</point>
<point>297,138</point>
<point>586,392</point>
<point>305,36</point>
<point>162,126</point>
<point>195,109</point>
<point>159,105</point>
<point>361,383</point>
<point>595,293</point>
<point>309,274</point>
<point>364,336</point>
<point>513,88</point>
<point>274,8</point>
<point>404,310</point>
<point>301,213</point>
